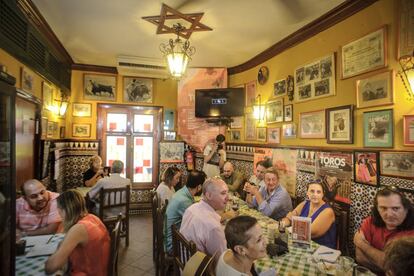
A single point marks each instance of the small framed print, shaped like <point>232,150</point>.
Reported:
<point>289,131</point>
<point>81,130</point>
<point>288,113</point>
<point>250,89</point>
<point>398,164</point>
<point>408,121</point>
<point>137,90</point>
<point>82,110</point>
<point>235,135</point>
<point>274,111</point>
<point>279,88</point>
<point>261,134</point>
<point>43,126</point>
<point>237,122</point>
<point>378,128</point>
<point>27,80</point>
<point>62,132</point>
<point>366,167</point>
<point>375,90</point>
<point>47,95</point>
<point>169,135</point>
<point>250,127</point>
<point>273,135</point>
<point>339,124</point>
<point>312,124</point>
<point>50,129</point>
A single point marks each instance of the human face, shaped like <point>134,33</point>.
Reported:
<point>219,195</point>
<point>228,170</point>
<point>176,179</point>
<point>97,164</point>
<point>391,210</point>
<point>271,181</point>
<point>315,193</point>
<point>36,195</point>
<point>260,172</point>
<point>256,245</point>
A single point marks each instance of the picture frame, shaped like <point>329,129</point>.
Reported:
<point>27,78</point>
<point>279,88</point>
<point>169,119</point>
<point>312,124</point>
<point>261,134</point>
<point>366,167</point>
<point>340,124</point>
<point>43,126</point>
<point>250,90</point>
<point>82,110</point>
<point>378,128</point>
<point>250,127</point>
<point>62,131</point>
<point>365,54</point>
<point>274,111</point>
<point>288,113</point>
<point>408,130</point>
<point>50,129</point>
<point>237,122</point>
<point>263,75</point>
<point>137,90</point>
<point>289,131</point>
<point>47,95</point>
<point>375,90</point>
<point>171,152</point>
<point>405,31</point>
<point>235,135</point>
<point>99,87</point>
<point>81,130</point>
<point>273,135</point>
<point>397,163</point>
<point>170,135</point>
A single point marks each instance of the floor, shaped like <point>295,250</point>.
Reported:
<point>137,258</point>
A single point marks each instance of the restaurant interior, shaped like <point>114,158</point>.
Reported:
<point>314,87</point>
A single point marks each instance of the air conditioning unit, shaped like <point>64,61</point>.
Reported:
<point>142,67</point>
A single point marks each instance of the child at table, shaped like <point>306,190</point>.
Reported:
<point>86,244</point>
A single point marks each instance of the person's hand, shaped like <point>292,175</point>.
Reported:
<point>251,189</point>
<point>215,147</point>
<point>222,152</point>
<point>359,239</point>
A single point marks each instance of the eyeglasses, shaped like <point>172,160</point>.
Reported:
<point>391,188</point>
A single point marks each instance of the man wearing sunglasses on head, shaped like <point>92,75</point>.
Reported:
<point>392,217</point>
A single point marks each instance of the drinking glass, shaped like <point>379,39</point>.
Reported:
<point>360,270</point>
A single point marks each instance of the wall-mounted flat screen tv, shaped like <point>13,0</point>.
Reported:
<point>219,102</point>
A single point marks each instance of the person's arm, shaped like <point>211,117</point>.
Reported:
<point>267,207</point>
<point>322,223</point>
<point>94,192</point>
<point>209,152</point>
<point>223,158</point>
<point>48,229</point>
<point>287,221</point>
<point>366,254</point>
<point>91,182</point>
<point>76,235</point>
<point>216,243</point>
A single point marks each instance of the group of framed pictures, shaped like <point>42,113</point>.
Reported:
<point>277,112</point>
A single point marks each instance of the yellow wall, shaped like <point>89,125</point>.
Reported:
<point>329,41</point>
<point>164,94</point>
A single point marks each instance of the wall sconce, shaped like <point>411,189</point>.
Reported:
<point>407,74</point>
<point>258,108</point>
<point>62,106</point>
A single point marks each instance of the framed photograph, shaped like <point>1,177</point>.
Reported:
<point>137,90</point>
<point>340,124</point>
<point>273,135</point>
<point>408,124</point>
<point>237,122</point>
<point>288,113</point>
<point>82,110</point>
<point>171,152</point>
<point>47,96</point>
<point>261,134</point>
<point>365,54</point>
<point>378,128</point>
<point>250,127</point>
<point>169,135</point>
<point>405,28</point>
<point>44,127</point>
<point>50,129</point>
<point>398,164</point>
<point>27,80</point>
<point>316,79</point>
<point>312,124</point>
<point>279,88</point>
<point>169,119</point>
<point>99,87</point>
<point>250,89</point>
<point>62,132</point>
<point>274,111</point>
<point>366,170</point>
<point>235,135</point>
<point>81,130</point>
<point>289,131</point>
<point>375,90</point>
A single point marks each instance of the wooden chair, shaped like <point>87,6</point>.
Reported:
<point>112,202</point>
<point>342,227</point>
<point>155,204</point>
<point>163,260</point>
<point>198,265</point>
<point>115,239</point>
<point>182,250</point>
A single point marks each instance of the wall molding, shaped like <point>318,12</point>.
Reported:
<point>94,68</point>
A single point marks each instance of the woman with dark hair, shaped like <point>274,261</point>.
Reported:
<point>170,178</point>
<point>323,228</point>
<point>246,244</point>
<point>86,245</point>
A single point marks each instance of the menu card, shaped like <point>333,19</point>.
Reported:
<point>301,230</point>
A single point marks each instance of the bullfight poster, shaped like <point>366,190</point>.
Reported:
<point>284,160</point>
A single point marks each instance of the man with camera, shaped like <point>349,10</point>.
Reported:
<point>214,156</point>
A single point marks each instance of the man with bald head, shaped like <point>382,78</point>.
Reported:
<point>36,210</point>
<point>233,179</point>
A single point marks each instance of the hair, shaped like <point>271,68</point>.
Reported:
<point>117,166</point>
<point>273,171</point>
<point>73,203</point>
<point>408,222</point>
<point>209,184</point>
<point>399,256</point>
<point>169,174</point>
<point>236,229</point>
<point>195,178</point>
<point>220,138</point>
<point>93,159</point>
<point>264,163</point>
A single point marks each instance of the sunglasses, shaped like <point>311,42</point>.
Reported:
<point>391,188</point>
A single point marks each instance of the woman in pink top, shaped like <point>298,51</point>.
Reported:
<point>86,245</point>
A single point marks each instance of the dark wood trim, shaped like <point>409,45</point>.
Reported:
<point>327,20</point>
<point>94,68</point>
<point>35,17</point>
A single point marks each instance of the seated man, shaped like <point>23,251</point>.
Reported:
<point>36,210</point>
<point>180,201</point>
<point>258,178</point>
<point>272,200</point>
<point>233,179</point>
<point>392,217</point>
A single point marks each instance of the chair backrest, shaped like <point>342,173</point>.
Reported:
<point>154,206</point>
<point>160,229</point>
<point>116,199</point>
<point>115,239</point>
<point>197,265</point>
<point>182,248</point>
<point>342,226</point>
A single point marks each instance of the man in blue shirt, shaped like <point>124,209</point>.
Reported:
<point>180,202</point>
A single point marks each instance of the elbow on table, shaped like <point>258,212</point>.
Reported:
<point>50,266</point>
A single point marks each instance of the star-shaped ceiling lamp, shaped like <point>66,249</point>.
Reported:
<point>177,52</point>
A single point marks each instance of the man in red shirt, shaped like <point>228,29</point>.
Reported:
<point>392,217</point>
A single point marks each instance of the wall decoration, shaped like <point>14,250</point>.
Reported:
<point>82,110</point>
<point>289,131</point>
<point>398,164</point>
<point>250,93</point>
<point>408,123</point>
<point>273,135</point>
<point>169,119</point>
<point>171,152</point>
<point>375,90</point>
<point>169,135</point>
<point>137,90</point>
<point>366,170</point>
<point>250,127</point>
<point>27,80</point>
<point>316,79</point>
<point>405,28</point>
<point>284,160</point>
<point>237,122</point>
<point>290,87</point>
<point>44,128</point>
<point>235,135</point>
<point>365,54</point>
<point>263,75</point>
<point>340,124</point>
<point>279,88</point>
<point>50,129</point>
<point>312,124</point>
<point>288,113</point>
<point>47,96</point>
<point>62,132</point>
<point>81,130</point>
<point>378,128</point>
<point>274,111</point>
<point>99,87</point>
<point>261,134</point>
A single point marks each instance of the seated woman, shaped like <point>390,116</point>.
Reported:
<point>323,228</point>
<point>170,178</point>
<point>246,244</point>
<point>87,243</point>
<point>94,173</point>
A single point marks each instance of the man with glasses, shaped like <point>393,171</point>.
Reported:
<point>392,217</point>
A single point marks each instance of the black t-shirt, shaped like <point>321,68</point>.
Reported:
<point>88,175</point>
